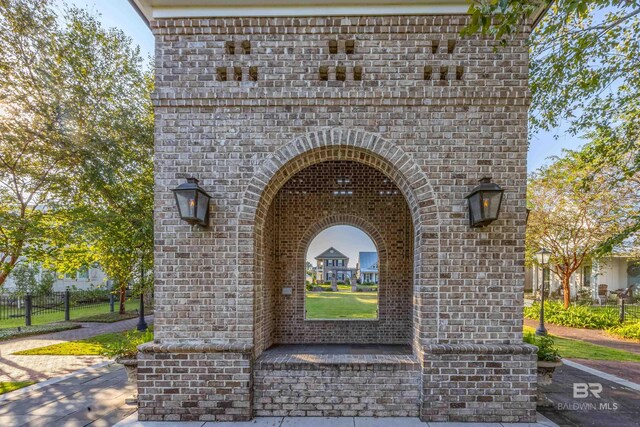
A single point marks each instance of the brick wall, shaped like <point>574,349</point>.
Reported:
<point>384,388</point>
<point>479,383</point>
<point>183,383</point>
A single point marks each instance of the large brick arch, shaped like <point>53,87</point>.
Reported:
<point>376,152</point>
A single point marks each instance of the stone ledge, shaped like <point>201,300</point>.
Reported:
<point>342,361</point>
<point>195,347</point>
<point>480,349</point>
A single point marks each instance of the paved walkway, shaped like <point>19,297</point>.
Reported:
<point>94,396</point>
<point>39,368</point>
<point>593,336</point>
<point>615,406</point>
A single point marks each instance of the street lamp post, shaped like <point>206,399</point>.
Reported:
<point>543,260</point>
<point>142,324</point>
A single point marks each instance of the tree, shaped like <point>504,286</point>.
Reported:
<point>76,96</point>
<point>572,212</point>
<point>584,60</point>
<point>31,126</point>
<point>110,191</point>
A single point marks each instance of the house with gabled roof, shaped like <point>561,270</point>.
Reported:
<point>333,265</point>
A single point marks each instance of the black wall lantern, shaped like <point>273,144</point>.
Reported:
<point>484,203</point>
<point>193,202</point>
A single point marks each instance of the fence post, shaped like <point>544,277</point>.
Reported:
<point>27,310</point>
<point>622,310</point>
<point>67,305</point>
<point>111,303</point>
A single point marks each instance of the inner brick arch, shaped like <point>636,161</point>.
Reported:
<point>367,149</point>
<point>354,221</point>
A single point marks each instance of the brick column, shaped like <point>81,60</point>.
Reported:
<point>479,383</point>
<point>190,382</point>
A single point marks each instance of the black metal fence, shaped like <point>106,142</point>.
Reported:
<point>27,306</point>
<point>626,310</point>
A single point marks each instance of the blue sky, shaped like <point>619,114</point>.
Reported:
<point>120,14</point>
<point>348,240</point>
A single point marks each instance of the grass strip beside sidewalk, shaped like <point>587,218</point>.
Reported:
<point>87,347</point>
<point>6,387</point>
<point>575,349</point>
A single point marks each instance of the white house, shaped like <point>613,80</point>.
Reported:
<point>85,278</point>
<point>368,267</point>
<point>617,271</point>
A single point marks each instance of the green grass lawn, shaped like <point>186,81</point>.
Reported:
<point>342,305</point>
<point>574,349</point>
<point>6,387</point>
<point>107,317</point>
<point>87,347</point>
<point>58,316</point>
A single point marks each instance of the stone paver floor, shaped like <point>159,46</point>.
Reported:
<point>40,368</point>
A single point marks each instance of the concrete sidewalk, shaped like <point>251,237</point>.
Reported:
<point>93,396</point>
<point>132,421</point>
<point>40,368</point>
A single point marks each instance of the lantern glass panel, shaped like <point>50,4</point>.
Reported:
<point>490,204</point>
<point>187,202</point>
<point>203,206</point>
<point>475,204</point>
<point>543,257</point>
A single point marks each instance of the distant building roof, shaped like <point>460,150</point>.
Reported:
<point>368,262</point>
<point>332,253</point>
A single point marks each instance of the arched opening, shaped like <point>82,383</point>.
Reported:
<point>342,275</point>
<point>321,195</point>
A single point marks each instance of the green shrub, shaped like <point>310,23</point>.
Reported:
<point>628,330</point>
<point>576,316</point>
<point>128,347</point>
<point>547,351</point>
<point>309,286</point>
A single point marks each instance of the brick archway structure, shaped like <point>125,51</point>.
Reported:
<point>454,112</point>
<point>369,149</point>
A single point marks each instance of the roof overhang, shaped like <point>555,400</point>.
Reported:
<point>153,9</point>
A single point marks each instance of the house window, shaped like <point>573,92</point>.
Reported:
<point>586,276</point>
<point>83,273</point>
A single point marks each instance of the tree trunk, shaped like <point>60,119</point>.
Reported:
<point>123,290</point>
<point>566,290</point>
<point>3,277</point>
<point>9,266</point>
